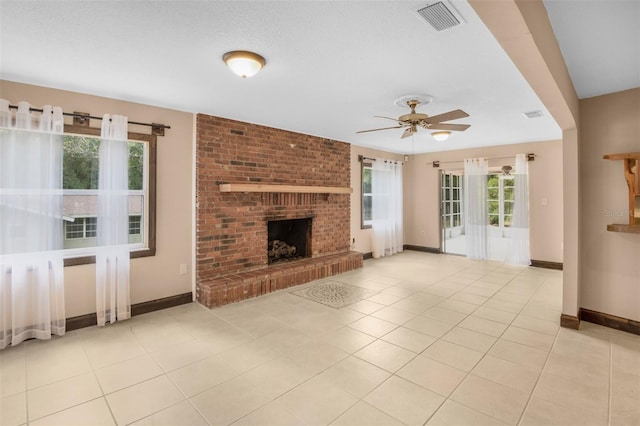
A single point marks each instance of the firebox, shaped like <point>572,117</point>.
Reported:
<point>289,239</point>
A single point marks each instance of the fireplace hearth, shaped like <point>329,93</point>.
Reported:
<point>288,239</point>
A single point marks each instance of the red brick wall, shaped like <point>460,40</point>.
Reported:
<point>231,234</point>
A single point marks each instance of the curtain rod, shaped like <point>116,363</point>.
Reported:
<point>361,158</point>
<point>82,117</point>
<point>436,163</point>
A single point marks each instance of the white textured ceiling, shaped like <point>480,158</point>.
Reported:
<point>600,43</point>
<point>331,65</point>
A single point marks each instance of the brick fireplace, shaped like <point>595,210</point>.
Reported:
<point>232,228</point>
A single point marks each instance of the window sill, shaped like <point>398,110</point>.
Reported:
<point>87,260</point>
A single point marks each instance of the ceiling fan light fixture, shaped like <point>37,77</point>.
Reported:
<point>441,136</point>
<point>243,63</point>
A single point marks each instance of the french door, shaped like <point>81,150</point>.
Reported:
<point>451,217</point>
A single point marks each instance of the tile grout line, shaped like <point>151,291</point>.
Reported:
<point>533,390</point>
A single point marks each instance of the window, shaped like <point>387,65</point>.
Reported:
<point>80,228</point>
<point>451,200</point>
<point>85,228</point>
<point>500,199</point>
<point>134,224</point>
<point>366,195</point>
<point>80,191</point>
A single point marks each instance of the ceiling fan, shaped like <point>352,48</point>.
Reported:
<point>410,122</point>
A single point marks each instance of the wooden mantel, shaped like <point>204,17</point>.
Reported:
<point>631,165</point>
<point>304,189</point>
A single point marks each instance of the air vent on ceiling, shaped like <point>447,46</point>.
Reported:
<point>441,15</point>
<point>533,114</point>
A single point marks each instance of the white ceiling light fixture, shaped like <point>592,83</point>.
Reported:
<point>244,63</point>
<point>441,136</point>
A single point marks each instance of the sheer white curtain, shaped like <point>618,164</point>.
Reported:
<point>31,262</point>
<point>386,208</point>
<point>518,253</point>
<point>112,254</point>
<point>476,217</point>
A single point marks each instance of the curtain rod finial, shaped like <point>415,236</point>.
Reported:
<point>157,129</point>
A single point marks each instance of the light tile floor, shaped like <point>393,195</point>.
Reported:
<point>443,340</point>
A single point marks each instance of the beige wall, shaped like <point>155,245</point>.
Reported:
<point>422,213</point>
<point>151,277</point>
<point>610,261</point>
<point>362,236</point>
<point>421,186</point>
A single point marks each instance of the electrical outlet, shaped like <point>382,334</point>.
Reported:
<point>183,269</point>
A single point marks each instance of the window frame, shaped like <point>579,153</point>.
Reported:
<point>364,224</point>
<point>152,149</point>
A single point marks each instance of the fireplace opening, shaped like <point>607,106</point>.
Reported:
<point>289,239</point>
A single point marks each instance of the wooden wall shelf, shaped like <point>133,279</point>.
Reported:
<point>627,156</point>
<point>631,168</point>
<point>629,229</point>
<point>302,189</point>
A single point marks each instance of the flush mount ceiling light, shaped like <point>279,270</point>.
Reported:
<point>243,63</point>
<point>440,136</point>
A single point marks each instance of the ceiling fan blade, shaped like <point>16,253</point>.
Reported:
<point>382,128</point>
<point>451,115</point>
<point>453,127</point>
<point>388,118</point>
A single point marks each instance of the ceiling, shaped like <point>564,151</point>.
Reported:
<point>331,65</point>
<point>600,43</point>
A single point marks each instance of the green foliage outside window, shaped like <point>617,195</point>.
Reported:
<point>81,163</point>
<point>500,199</point>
